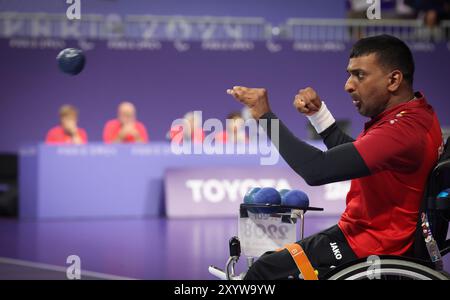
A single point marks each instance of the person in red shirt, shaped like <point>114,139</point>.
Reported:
<point>190,130</point>
<point>126,128</point>
<point>68,131</point>
<point>235,131</point>
<point>388,163</point>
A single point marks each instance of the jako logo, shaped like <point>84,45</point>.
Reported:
<point>215,190</point>
<point>374,10</point>
<point>336,251</point>
<point>74,10</point>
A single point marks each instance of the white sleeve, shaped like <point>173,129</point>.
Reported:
<point>322,119</point>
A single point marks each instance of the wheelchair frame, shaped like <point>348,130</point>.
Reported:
<point>423,266</point>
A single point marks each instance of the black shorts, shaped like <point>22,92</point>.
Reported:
<point>325,250</point>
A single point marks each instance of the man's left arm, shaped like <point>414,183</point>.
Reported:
<point>315,166</point>
<point>395,146</point>
<point>326,126</point>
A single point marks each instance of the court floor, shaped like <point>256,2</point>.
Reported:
<point>155,248</point>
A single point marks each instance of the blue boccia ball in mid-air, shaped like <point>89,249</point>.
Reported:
<point>71,61</point>
<point>295,198</point>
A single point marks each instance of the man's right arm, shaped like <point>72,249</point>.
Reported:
<point>315,166</point>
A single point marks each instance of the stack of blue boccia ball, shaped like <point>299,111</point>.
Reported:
<point>268,195</point>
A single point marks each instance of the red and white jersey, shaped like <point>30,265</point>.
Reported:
<point>400,147</point>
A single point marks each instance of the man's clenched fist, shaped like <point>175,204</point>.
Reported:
<point>254,98</point>
<point>307,101</point>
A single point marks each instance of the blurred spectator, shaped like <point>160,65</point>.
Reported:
<point>431,12</point>
<point>390,9</point>
<point>431,18</point>
<point>357,9</point>
<point>446,13</point>
<point>190,131</point>
<point>67,132</point>
<point>235,131</point>
<point>126,128</point>
<point>404,10</point>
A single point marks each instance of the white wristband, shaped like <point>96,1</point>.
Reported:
<point>322,119</point>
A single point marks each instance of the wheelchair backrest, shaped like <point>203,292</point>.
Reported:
<point>438,214</point>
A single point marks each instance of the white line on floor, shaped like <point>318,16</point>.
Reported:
<point>32,264</point>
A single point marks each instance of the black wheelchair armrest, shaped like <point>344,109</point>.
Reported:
<point>446,248</point>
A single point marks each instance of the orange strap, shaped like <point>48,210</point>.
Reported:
<point>302,261</point>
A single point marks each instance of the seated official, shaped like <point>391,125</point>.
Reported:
<point>67,132</point>
<point>190,131</point>
<point>126,128</point>
<point>235,131</point>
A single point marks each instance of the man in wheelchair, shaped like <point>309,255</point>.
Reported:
<point>388,163</point>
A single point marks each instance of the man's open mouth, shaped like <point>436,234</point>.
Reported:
<point>356,101</point>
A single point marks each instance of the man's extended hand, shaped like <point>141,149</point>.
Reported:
<point>307,101</point>
<point>254,98</point>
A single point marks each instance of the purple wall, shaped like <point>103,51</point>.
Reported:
<point>274,11</point>
<point>164,84</point>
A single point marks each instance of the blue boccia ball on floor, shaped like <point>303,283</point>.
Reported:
<point>267,195</point>
<point>71,61</point>
<point>295,198</point>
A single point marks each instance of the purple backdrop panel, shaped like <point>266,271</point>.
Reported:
<point>207,192</point>
<point>272,10</point>
<point>88,181</point>
<point>28,174</point>
<point>164,84</point>
<point>98,180</point>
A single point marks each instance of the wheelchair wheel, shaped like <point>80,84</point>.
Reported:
<point>387,269</point>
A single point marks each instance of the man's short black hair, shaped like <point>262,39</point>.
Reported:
<point>392,53</point>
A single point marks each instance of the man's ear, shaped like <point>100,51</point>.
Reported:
<point>395,79</point>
